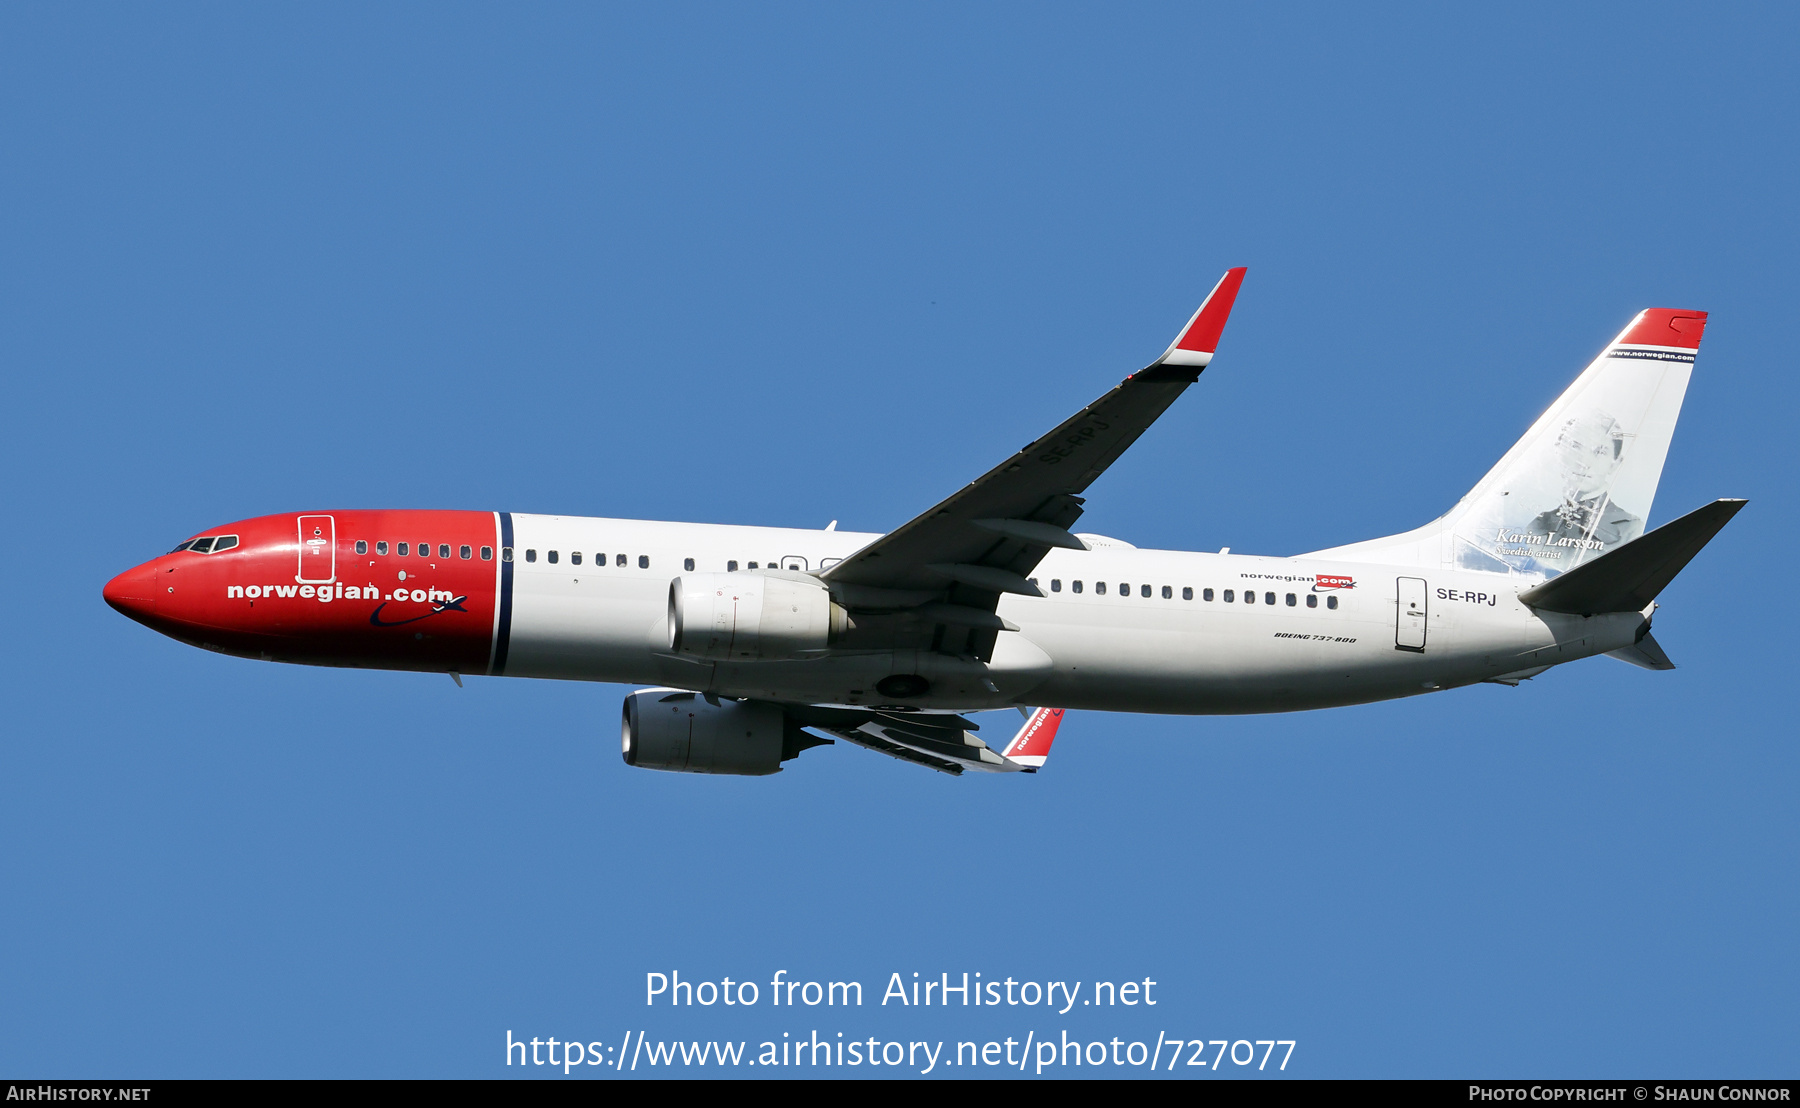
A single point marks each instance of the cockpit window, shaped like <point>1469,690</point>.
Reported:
<point>208,544</point>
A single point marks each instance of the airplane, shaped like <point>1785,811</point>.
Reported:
<point>760,642</point>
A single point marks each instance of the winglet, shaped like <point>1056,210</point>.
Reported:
<point>1199,340</point>
<point>1031,746</point>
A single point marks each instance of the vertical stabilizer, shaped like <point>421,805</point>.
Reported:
<point>1581,481</point>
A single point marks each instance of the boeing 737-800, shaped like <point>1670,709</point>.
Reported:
<point>761,641</point>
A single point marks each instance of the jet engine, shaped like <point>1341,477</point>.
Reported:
<point>743,617</point>
<point>677,730</point>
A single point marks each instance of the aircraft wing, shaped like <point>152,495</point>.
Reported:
<point>947,568</point>
<point>942,742</point>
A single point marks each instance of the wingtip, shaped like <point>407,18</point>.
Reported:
<point>1199,340</point>
<point>1031,746</point>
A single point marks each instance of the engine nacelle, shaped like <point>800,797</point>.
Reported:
<point>681,731</point>
<point>745,617</point>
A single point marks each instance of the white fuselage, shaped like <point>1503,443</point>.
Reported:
<point>1092,646</point>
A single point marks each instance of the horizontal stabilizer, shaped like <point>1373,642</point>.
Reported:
<point>1646,653</point>
<point>1628,578</point>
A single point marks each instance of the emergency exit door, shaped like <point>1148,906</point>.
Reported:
<point>1409,615</point>
<point>318,550</point>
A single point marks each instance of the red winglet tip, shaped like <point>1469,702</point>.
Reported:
<point>1200,338</point>
<point>1032,744</point>
<point>1665,327</point>
<point>1203,333</point>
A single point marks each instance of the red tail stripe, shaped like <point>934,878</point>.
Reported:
<point>1666,327</point>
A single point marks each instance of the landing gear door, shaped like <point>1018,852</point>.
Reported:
<point>1409,615</point>
<point>318,550</point>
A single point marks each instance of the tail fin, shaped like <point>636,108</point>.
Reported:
<point>1031,746</point>
<point>1581,481</point>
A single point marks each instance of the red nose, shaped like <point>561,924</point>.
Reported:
<point>133,593</point>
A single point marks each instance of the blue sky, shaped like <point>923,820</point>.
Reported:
<point>788,264</point>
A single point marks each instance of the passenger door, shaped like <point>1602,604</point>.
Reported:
<point>1409,615</point>
<point>318,550</point>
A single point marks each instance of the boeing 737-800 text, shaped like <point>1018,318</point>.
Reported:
<point>761,641</point>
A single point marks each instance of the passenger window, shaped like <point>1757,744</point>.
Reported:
<point>506,553</point>
<point>620,560</point>
<point>362,546</point>
<point>1249,596</point>
<point>1290,600</point>
<point>487,553</point>
<point>464,552</point>
<point>381,547</point>
<point>1206,594</point>
<point>551,557</point>
<point>1124,589</point>
<point>530,555</point>
<point>1055,584</point>
<point>443,550</point>
<point>687,564</point>
<point>731,566</point>
<point>1331,602</point>
<point>1312,601</point>
<point>226,542</point>
<point>404,549</point>
<point>1032,581</point>
<point>1269,598</point>
<point>643,561</point>
<point>424,550</point>
<point>1099,588</point>
<point>1075,586</point>
<point>574,557</point>
<point>1187,592</point>
<point>1144,591</point>
<point>1230,596</point>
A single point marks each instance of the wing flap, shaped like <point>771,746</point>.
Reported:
<point>894,750</point>
<point>944,743</point>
